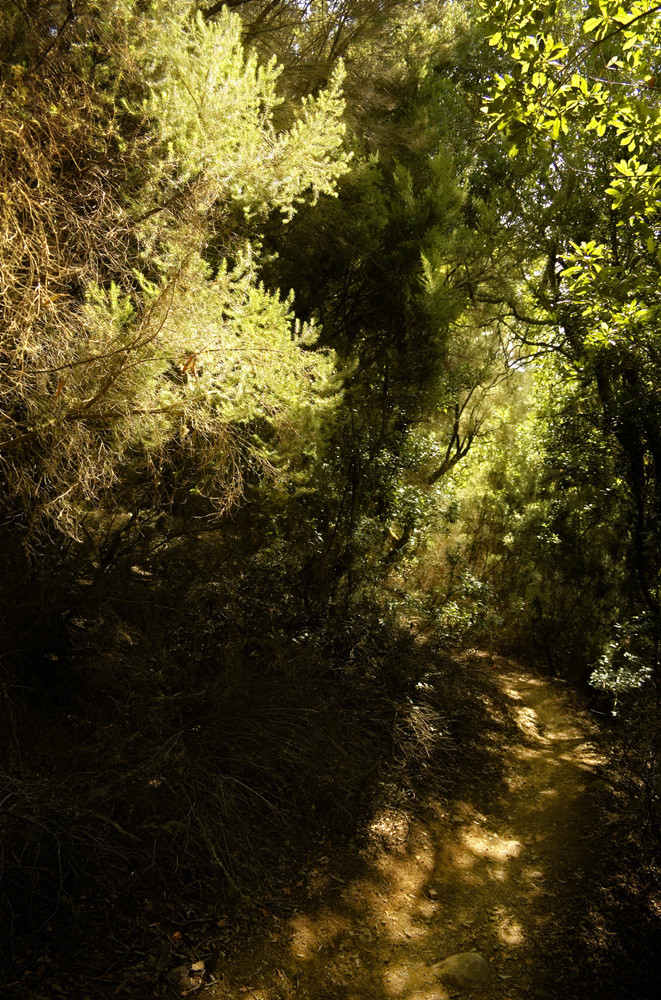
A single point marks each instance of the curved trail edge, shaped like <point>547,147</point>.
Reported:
<point>505,880</point>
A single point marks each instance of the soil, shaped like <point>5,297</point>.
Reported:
<point>535,874</point>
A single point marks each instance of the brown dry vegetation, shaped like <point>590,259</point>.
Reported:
<point>63,228</point>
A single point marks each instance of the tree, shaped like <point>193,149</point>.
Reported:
<point>389,271</point>
<point>128,144</point>
<point>590,108</point>
<point>309,37</point>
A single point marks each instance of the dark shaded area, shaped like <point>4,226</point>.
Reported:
<point>181,748</point>
<point>539,872</point>
<point>175,746</point>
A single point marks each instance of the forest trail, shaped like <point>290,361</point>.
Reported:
<point>506,876</point>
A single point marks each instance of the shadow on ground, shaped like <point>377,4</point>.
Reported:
<point>516,873</point>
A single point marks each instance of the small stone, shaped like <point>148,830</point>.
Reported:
<point>458,819</point>
<point>465,969</point>
<point>432,893</point>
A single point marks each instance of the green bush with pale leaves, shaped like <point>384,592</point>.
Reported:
<point>141,344</point>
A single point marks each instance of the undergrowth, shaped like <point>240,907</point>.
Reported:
<point>173,742</point>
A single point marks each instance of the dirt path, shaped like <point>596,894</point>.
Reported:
<point>506,882</point>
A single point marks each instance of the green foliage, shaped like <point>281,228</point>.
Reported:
<point>535,545</point>
<point>619,670</point>
<point>392,271</point>
<point>122,347</point>
<point>313,364</point>
<point>582,96</point>
<point>213,107</point>
<point>219,363</point>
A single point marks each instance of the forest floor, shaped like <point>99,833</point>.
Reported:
<point>541,875</point>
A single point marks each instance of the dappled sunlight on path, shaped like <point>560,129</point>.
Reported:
<point>460,879</point>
